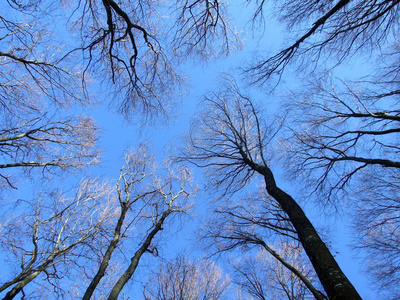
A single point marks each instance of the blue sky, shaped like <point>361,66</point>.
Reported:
<point>119,136</point>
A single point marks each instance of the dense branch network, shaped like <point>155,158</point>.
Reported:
<point>347,131</point>
<point>145,201</point>
<point>134,41</point>
<point>253,222</point>
<point>340,30</point>
<point>182,278</point>
<point>200,25</point>
<point>228,140</point>
<point>54,231</point>
<point>45,144</point>
<point>85,231</point>
<point>266,274</point>
<point>344,141</point>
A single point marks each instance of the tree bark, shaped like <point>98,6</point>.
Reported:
<point>135,259</point>
<point>336,284</point>
<point>23,281</point>
<point>317,294</point>
<point>107,256</point>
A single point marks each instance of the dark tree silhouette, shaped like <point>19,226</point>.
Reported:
<point>338,29</point>
<point>229,140</point>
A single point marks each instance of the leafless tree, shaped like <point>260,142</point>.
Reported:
<point>47,235</point>
<point>131,190</point>
<point>146,200</point>
<point>120,39</point>
<point>200,25</point>
<point>185,279</point>
<point>338,29</point>
<point>46,68</point>
<point>35,88</point>
<point>264,277</point>
<point>344,141</point>
<point>344,132</point>
<point>337,131</point>
<point>126,44</point>
<point>49,55</point>
<point>131,41</point>
<point>33,78</point>
<point>228,140</point>
<point>62,238</point>
<point>377,220</point>
<point>255,221</point>
<point>48,145</point>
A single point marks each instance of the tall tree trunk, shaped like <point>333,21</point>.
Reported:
<point>135,259</point>
<point>24,280</point>
<point>317,294</point>
<point>336,284</point>
<point>107,256</point>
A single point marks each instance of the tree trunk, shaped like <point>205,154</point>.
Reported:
<point>107,256</point>
<point>25,280</point>
<point>317,294</point>
<point>336,284</point>
<point>135,259</point>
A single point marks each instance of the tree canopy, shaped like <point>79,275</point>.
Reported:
<point>315,123</point>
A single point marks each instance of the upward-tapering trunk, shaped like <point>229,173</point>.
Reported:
<point>135,259</point>
<point>337,286</point>
<point>107,256</point>
<point>29,277</point>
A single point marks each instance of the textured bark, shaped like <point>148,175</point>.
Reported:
<point>107,256</point>
<point>27,279</point>
<point>135,259</point>
<point>317,294</point>
<point>336,284</point>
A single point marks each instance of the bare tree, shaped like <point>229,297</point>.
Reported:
<point>377,221</point>
<point>65,237</point>
<point>255,221</point>
<point>47,235</point>
<point>35,88</point>
<point>131,190</point>
<point>338,130</point>
<point>200,25</point>
<point>146,200</point>
<point>344,132</point>
<point>49,56</point>
<point>46,68</point>
<point>185,279</point>
<point>131,41</point>
<point>264,277</point>
<point>33,78</point>
<point>338,29</point>
<point>119,39</point>
<point>166,203</point>
<point>344,141</point>
<point>228,140</point>
<point>126,45</point>
<point>48,145</point>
